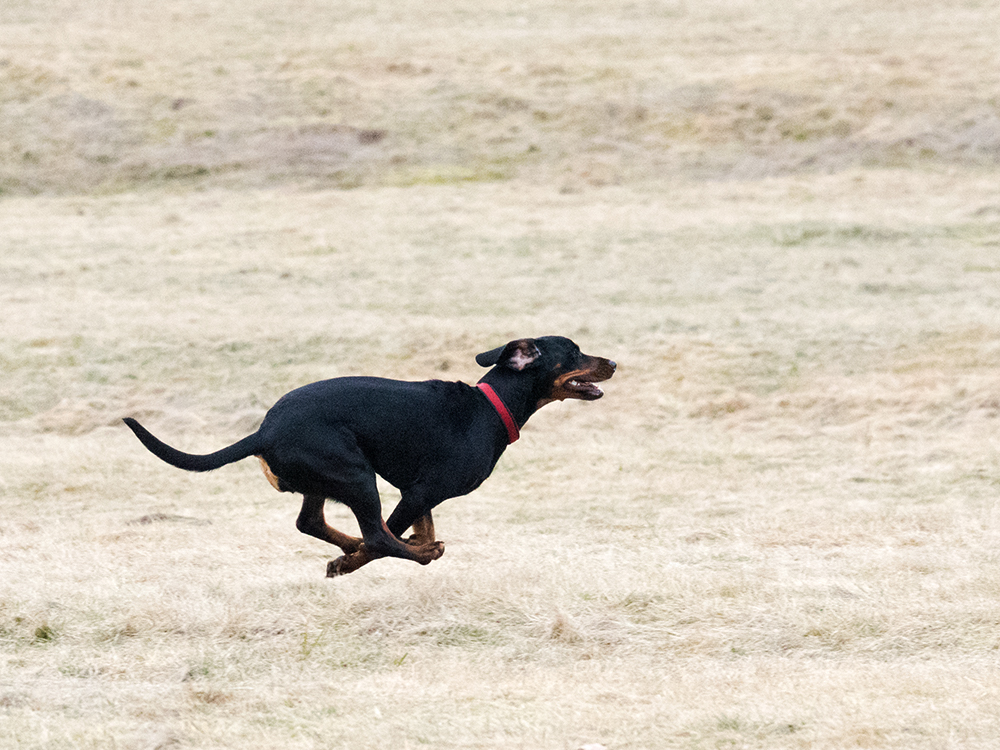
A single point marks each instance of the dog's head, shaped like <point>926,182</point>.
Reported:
<point>556,364</point>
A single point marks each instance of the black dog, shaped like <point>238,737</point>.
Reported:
<point>431,440</point>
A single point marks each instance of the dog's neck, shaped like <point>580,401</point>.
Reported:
<point>517,395</point>
<point>513,433</point>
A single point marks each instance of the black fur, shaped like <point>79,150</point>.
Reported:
<point>432,440</point>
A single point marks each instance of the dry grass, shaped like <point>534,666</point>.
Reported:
<point>121,93</point>
<point>778,530</point>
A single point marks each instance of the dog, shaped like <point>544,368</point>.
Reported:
<point>432,440</point>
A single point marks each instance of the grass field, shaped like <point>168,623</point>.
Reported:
<point>779,528</point>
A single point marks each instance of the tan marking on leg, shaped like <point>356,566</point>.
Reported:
<point>271,476</point>
<point>423,531</point>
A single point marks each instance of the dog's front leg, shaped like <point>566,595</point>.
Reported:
<point>423,531</point>
<point>414,511</point>
<point>423,554</point>
<point>420,548</point>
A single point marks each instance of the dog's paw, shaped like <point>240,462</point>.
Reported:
<point>345,564</point>
<point>333,568</point>
<point>350,562</point>
<point>430,552</point>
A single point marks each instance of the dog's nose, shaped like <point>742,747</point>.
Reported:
<point>614,365</point>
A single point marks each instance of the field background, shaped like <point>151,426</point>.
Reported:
<point>780,527</point>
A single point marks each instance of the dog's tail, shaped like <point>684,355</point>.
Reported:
<point>248,446</point>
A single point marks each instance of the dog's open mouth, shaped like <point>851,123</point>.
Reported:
<point>582,384</point>
<point>579,387</point>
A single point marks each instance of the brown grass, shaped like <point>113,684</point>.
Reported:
<point>778,529</point>
<point>123,94</point>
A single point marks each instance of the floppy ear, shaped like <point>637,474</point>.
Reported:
<point>490,358</point>
<point>516,355</point>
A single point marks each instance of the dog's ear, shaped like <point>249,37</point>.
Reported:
<point>490,358</point>
<point>516,355</point>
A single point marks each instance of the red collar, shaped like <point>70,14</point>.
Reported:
<point>504,413</point>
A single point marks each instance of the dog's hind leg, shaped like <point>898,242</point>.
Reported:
<point>361,496</point>
<point>422,550</point>
<point>423,536</point>
<point>311,521</point>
